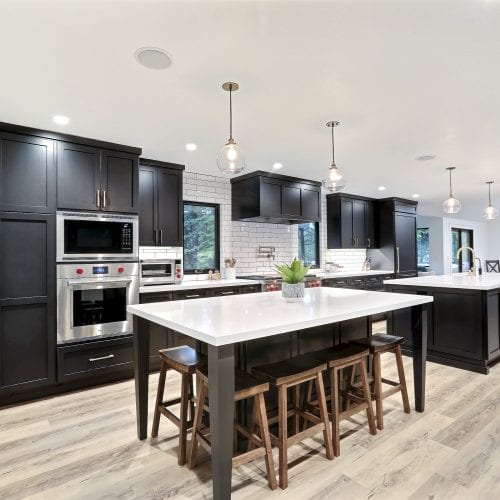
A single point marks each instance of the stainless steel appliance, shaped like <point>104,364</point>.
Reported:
<point>92,299</point>
<point>86,236</point>
<point>272,283</point>
<point>160,272</point>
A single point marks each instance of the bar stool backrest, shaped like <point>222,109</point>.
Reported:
<point>493,266</point>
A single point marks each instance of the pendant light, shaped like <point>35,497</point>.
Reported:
<point>451,205</point>
<point>490,212</point>
<point>336,180</point>
<point>230,158</point>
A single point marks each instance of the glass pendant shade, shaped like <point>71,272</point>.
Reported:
<point>451,205</point>
<point>336,179</point>
<point>230,159</point>
<point>490,212</point>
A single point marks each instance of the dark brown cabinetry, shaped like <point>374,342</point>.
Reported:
<point>91,178</point>
<point>364,282</point>
<point>160,203</point>
<point>27,301</point>
<point>350,221</point>
<point>265,197</point>
<point>397,222</point>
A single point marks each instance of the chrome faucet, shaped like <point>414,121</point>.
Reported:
<point>473,269</point>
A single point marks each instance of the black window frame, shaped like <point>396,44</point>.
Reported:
<point>460,231</point>
<point>317,250</point>
<point>420,263</point>
<point>216,206</point>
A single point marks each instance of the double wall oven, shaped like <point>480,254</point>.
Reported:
<point>97,274</point>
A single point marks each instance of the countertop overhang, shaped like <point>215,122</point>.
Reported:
<point>237,318</point>
<point>487,281</point>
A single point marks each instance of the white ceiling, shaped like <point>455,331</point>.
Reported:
<point>404,78</point>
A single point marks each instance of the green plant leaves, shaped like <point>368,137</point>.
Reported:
<point>293,273</point>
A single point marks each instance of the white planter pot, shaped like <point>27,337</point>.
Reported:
<point>293,292</point>
<point>230,273</point>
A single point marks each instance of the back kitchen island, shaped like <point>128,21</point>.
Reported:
<point>227,328</point>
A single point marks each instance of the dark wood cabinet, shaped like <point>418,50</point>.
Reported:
<point>350,221</point>
<point>265,197</point>
<point>397,223</point>
<point>27,174</point>
<point>27,301</point>
<point>374,282</point>
<point>161,211</point>
<point>91,178</point>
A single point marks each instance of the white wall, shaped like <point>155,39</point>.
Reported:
<point>493,237</point>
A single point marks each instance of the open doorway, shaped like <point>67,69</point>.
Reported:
<point>461,238</point>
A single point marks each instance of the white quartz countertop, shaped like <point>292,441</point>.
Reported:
<point>350,274</point>
<point>193,285</point>
<point>236,318</point>
<point>487,281</point>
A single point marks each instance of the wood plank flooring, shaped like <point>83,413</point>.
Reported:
<point>83,446</point>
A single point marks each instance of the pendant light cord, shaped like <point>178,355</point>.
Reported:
<point>489,193</point>
<point>451,192</point>
<point>230,112</point>
<point>333,147</point>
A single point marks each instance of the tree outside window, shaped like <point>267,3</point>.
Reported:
<point>309,243</point>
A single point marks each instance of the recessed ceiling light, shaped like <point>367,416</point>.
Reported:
<point>61,119</point>
<point>416,195</point>
<point>277,165</point>
<point>425,157</point>
<point>153,58</point>
<point>191,146</point>
<point>381,188</point>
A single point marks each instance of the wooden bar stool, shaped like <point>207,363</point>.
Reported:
<point>377,345</point>
<point>337,359</point>
<point>184,360</point>
<point>291,374</point>
<point>245,386</point>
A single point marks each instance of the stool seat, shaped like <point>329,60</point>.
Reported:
<point>341,354</point>
<point>284,371</point>
<point>379,343</point>
<point>183,359</point>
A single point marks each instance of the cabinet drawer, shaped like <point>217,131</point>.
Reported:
<point>148,298</point>
<point>356,283</point>
<point>250,289</point>
<point>340,282</point>
<point>89,359</point>
<point>190,294</point>
<point>225,291</point>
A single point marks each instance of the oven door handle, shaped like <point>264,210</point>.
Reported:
<point>111,282</point>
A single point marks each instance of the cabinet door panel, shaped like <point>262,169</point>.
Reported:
<point>370,225</point>
<point>170,208</point>
<point>147,205</point>
<point>27,174</point>
<point>358,224</point>
<point>270,199</point>
<point>119,180</point>
<point>78,176</point>
<point>406,242</point>
<point>346,228</point>
<point>291,201</point>
<point>311,204</point>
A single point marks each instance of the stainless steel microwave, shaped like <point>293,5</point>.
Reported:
<point>87,236</point>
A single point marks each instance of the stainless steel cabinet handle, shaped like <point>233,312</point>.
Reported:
<point>397,259</point>
<point>192,296</point>
<point>161,237</point>
<point>104,201</point>
<point>98,198</point>
<point>156,236</point>
<point>369,243</point>
<point>96,282</point>
<point>227,293</point>
<point>109,356</point>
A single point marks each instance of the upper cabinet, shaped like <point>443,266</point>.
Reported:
<point>27,173</point>
<point>280,199</point>
<point>161,211</point>
<point>350,221</point>
<point>91,178</point>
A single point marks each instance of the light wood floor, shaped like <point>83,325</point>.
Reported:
<point>83,446</point>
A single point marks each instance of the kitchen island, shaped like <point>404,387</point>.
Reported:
<point>464,324</point>
<point>228,324</point>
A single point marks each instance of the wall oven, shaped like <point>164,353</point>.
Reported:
<point>92,299</point>
<point>83,236</point>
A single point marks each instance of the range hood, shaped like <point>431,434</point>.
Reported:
<point>273,198</point>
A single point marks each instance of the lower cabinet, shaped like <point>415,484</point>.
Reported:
<point>91,359</point>
<point>364,282</point>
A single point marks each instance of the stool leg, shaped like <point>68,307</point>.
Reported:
<point>198,415</point>
<point>159,398</point>
<point>335,410</point>
<point>283,436</point>
<point>296,406</point>
<point>253,424</point>
<point>323,411</point>
<point>308,399</point>
<point>377,383</point>
<point>260,404</point>
<point>351,376</point>
<point>183,417</point>
<point>191,398</point>
<point>402,379</point>
<point>367,396</point>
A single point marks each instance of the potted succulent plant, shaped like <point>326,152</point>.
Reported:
<point>293,275</point>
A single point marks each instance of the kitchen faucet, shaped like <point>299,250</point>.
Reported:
<point>473,269</point>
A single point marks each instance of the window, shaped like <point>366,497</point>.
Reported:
<point>423,258</point>
<point>309,243</point>
<point>201,237</point>
<point>461,238</point>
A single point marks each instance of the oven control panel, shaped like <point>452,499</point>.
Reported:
<point>97,270</point>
